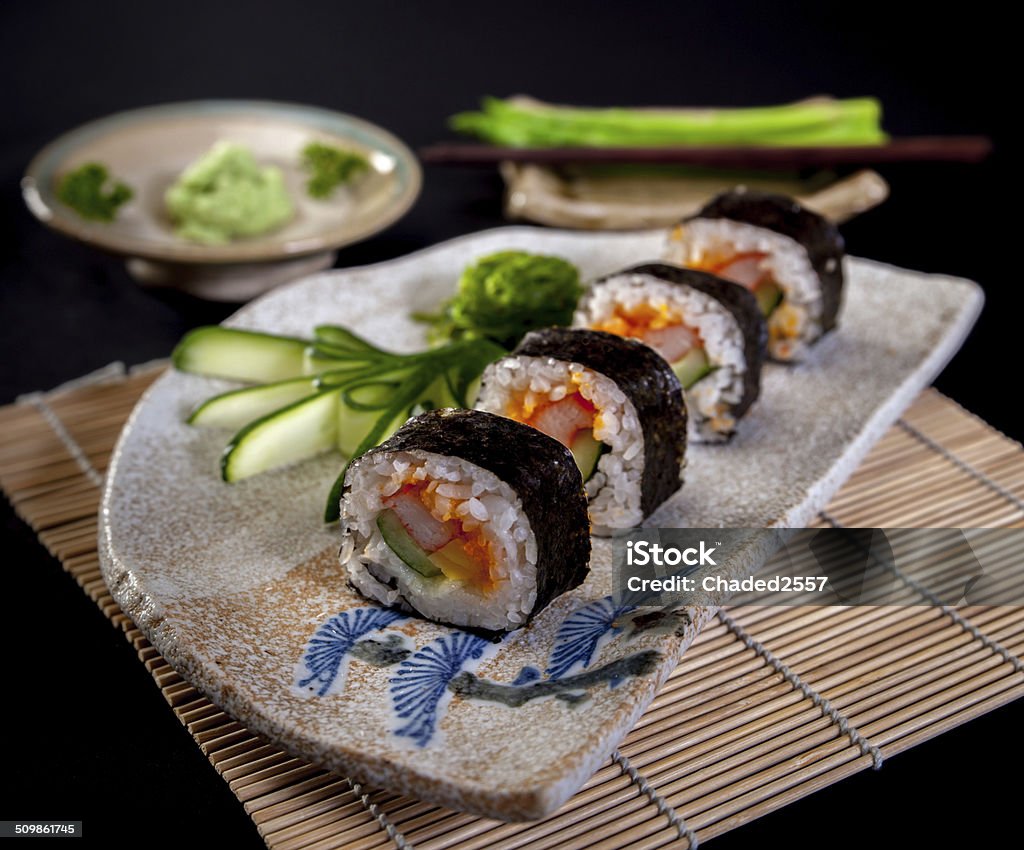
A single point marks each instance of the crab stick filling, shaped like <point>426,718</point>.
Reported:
<point>746,268</point>
<point>750,271</point>
<point>446,524</point>
<point>662,328</point>
<point>566,415</point>
<point>564,419</point>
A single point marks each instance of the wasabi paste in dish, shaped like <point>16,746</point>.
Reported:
<point>226,194</point>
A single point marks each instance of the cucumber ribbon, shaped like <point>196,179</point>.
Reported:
<point>374,392</point>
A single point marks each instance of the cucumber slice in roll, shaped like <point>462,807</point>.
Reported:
<point>694,366</point>
<point>769,296</point>
<point>587,452</point>
<point>401,543</point>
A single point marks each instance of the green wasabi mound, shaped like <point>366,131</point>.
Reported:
<point>503,296</point>
<point>226,194</point>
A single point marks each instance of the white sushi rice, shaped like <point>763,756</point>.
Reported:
<point>797,321</point>
<point>377,572</point>
<point>709,402</point>
<point>614,490</point>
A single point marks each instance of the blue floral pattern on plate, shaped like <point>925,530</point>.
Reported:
<point>419,690</point>
<point>581,634</point>
<point>327,653</point>
<point>428,677</point>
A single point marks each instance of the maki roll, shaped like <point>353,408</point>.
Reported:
<point>789,257</point>
<point>465,518</point>
<point>614,402</point>
<point>711,331</point>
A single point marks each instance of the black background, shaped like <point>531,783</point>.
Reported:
<point>87,734</point>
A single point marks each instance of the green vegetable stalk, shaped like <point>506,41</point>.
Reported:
<point>522,122</point>
<point>330,167</point>
<point>505,295</point>
<point>91,193</point>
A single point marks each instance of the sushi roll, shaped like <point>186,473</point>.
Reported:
<point>614,402</point>
<point>465,518</point>
<point>711,331</point>
<point>789,257</point>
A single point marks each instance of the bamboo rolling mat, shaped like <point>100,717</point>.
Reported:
<point>768,705</point>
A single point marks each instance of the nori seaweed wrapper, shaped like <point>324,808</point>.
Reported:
<point>538,468</point>
<point>646,380</point>
<point>739,301</point>
<point>818,236</point>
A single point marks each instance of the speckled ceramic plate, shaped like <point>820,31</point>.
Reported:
<point>238,586</point>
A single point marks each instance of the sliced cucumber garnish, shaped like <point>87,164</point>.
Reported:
<point>694,366</point>
<point>401,543</point>
<point>587,451</point>
<point>299,431</point>
<point>769,295</point>
<point>240,355</point>
<point>238,408</point>
<point>335,390</point>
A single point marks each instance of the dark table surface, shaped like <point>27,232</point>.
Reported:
<point>88,736</point>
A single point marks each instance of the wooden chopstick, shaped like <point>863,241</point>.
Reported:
<point>968,149</point>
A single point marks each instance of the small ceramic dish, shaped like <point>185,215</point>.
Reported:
<point>149,148</point>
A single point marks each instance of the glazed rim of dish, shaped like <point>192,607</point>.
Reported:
<point>38,184</point>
